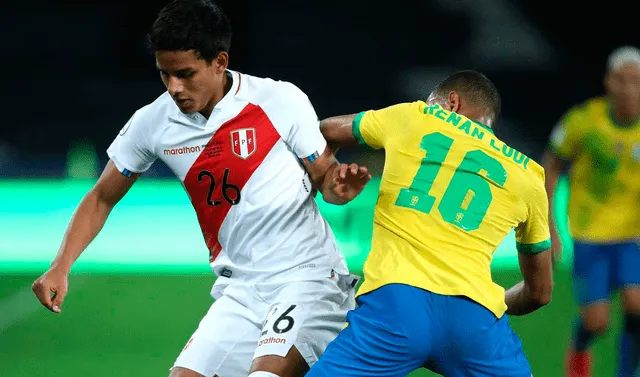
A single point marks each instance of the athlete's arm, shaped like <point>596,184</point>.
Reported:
<point>535,290</point>
<point>84,226</point>
<point>338,183</point>
<point>338,131</point>
<point>553,166</point>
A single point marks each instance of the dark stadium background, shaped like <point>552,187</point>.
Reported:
<point>73,72</point>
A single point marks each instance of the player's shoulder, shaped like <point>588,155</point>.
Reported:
<point>523,169</point>
<point>589,107</point>
<point>399,111</point>
<point>408,108</point>
<point>535,170</point>
<point>260,90</point>
<point>154,114</point>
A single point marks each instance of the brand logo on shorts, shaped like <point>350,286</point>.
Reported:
<point>272,340</point>
<point>243,142</point>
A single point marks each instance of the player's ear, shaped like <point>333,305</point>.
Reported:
<point>221,62</point>
<point>608,79</point>
<point>453,100</point>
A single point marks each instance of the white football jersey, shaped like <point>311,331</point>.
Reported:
<point>241,169</point>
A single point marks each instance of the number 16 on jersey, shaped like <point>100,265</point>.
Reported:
<point>468,195</point>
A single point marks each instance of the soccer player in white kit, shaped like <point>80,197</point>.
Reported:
<point>250,155</point>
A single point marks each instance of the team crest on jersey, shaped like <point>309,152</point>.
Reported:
<point>243,142</point>
<point>635,152</point>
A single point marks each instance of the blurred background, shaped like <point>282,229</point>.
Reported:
<point>74,72</point>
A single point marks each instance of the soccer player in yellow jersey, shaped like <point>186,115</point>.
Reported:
<point>450,193</point>
<point>601,140</point>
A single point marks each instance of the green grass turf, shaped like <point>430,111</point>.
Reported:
<point>128,325</point>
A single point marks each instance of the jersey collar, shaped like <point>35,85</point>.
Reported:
<point>228,98</point>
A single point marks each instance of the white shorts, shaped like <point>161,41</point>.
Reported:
<point>250,321</point>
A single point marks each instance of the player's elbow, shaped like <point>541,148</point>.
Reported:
<point>541,295</point>
<point>338,132</point>
<point>542,299</point>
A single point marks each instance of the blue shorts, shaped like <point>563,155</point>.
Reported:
<point>398,328</point>
<point>599,269</point>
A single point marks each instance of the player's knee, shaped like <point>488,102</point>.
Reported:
<point>631,300</point>
<point>597,325</point>
<point>595,318</point>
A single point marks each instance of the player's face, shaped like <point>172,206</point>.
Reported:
<point>623,85</point>
<point>192,82</point>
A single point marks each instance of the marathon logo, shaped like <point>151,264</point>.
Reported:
<point>182,150</point>
<point>272,340</point>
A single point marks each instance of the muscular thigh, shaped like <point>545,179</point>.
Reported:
<point>226,338</point>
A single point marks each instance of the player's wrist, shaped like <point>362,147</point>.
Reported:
<point>61,266</point>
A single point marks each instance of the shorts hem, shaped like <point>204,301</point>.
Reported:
<point>178,365</point>
<point>307,354</point>
<point>582,303</point>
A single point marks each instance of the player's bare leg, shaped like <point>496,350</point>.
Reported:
<point>184,372</point>
<point>594,320</point>
<point>630,342</point>
<point>292,365</point>
<point>595,317</point>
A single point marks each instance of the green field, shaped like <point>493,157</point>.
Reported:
<point>135,325</point>
<point>140,289</point>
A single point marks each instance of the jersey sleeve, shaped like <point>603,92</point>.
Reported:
<point>566,136</point>
<point>532,235</point>
<point>373,127</point>
<point>131,150</point>
<point>304,136</point>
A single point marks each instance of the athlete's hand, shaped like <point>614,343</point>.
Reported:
<point>349,181</point>
<point>556,248</point>
<point>50,288</point>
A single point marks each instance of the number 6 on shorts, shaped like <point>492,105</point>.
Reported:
<point>280,329</point>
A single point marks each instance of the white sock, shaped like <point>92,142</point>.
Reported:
<point>263,374</point>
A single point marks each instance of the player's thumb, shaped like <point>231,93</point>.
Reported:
<point>58,298</point>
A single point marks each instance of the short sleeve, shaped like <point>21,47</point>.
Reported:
<point>131,151</point>
<point>304,136</point>
<point>532,235</point>
<point>567,135</point>
<point>372,127</point>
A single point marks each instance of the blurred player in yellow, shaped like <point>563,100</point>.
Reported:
<point>601,140</point>
<point>450,193</point>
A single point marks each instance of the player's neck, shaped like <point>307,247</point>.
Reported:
<point>482,118</point>
<point>218,95</point>
<point>477,115</point>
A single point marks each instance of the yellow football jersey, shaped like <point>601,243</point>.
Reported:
<point>450,193</point>
<point>605,173</point>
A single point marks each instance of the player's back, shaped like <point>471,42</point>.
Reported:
<point>450,193</point>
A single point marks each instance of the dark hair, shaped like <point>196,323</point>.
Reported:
<point>184,25</point>
<point>475,87</point>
